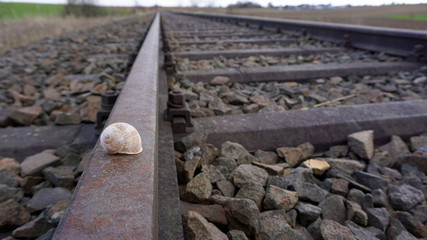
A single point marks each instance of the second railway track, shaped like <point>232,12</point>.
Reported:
<point>264,129</point>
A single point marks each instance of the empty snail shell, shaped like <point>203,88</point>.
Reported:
<point>121,138</point>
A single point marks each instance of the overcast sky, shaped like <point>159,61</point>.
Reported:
<point>224,3</point>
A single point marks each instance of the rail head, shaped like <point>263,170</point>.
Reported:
<point>116,197</point>
<point>399,42</point>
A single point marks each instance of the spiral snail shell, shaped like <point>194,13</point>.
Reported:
<point>121,138</point>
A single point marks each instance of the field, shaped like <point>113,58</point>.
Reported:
<point>418,17</point>
<point>13,11</point>
<point>395,16</point>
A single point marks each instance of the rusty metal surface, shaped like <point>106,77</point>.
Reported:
<point>323,127</point>
<point>197,55</point>
<point>247,41</point>
<point>170,222</point>
<point>301,73</point>
<point>394,41</point>
<point>116,197</point>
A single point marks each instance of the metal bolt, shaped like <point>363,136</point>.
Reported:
<point>108,99</point>
<point>176,97</point>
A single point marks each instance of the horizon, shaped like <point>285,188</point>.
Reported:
<point>212,3</point>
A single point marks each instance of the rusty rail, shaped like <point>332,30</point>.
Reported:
<point>406,43</point>
<point>116,197</point>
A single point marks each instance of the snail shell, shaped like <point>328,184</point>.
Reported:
<point>121,138</point>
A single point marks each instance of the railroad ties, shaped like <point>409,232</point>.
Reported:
<point>273,97</point>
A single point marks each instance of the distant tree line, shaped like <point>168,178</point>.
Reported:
<point>83,8</point>
<point>244,5</point>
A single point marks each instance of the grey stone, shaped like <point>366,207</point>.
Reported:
<point>314,229</point>
<point>60,176</point>
<point>248,174</point>
<point>411,224</point>
<point>356,214</point>
<point>46,197</point>
<point>7,178</point>
<point>47,235</point>
<point>28,182</point>
<point>226,187</point>
<point>186,169</point>
<point>199,189</point>
<point>359,232</point>
<point>300,175</point>
<point>380,199</point>
<point>197,138</point>
<point>420,212</point>
<point>242,213</point>
<point>337,151</point>
<point>391,173</point>
<point>266,157</point>
<point>307,149</point>
<point>198,228</point>
<point>237,152</point>
<point>291,217</point>
<point>277,181</point>
<point>333,208</point>
<point>378,217</point>
<point>339,186</point>
<point>292,155</point>
<point>394,228</point>
<point>307,213</point>
<point>254,192</point>
<point>71,159</point>
<point>213,173</point>
<point>10,165</point>
<point>356,196</point>
<point>278,198</point>
<point>372,181</point>
<point>302,233</point>
<point>228,163</point>
<point>12,215</point>
<point>56,212</point>
<point>272,225</point>
<point>236,235</point>
<point>362,143</point>
<point>34,228</point>
<point>213,213</point>
<point>332,230</point>
<point>404,197</point>
<point>209,153</point>
<point>34,165</point>
<point>7,192</point>
<point>346,165</point>
<point>38,187</point>
<point>404,235</point>
<point>310,192</point>
<point>418,141</point>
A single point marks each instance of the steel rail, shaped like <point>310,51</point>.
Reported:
<point>116,197</point>
<point>394,41</point>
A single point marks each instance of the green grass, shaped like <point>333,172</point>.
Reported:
<point>418,17</point>
<point>12,11</point>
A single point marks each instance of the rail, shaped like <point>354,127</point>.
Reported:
<point>406,43</point>
<point>116,197</point>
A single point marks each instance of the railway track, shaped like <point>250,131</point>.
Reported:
<point>244,120</point>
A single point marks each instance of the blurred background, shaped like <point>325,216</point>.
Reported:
<point>33,20</point>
